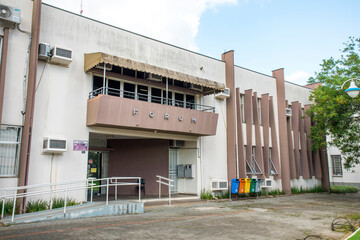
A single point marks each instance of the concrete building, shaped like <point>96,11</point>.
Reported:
<point>115,103</point>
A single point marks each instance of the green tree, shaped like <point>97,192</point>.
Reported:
<point>333,111</point>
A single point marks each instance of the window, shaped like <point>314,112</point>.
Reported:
<point>190,101</point>
<point>155,95</point>
<point>142,93</point>
<point>179,100</point>
<point>129,90</point>
<point>242,101</point>
<point>9,150</point>
<point>113,88</point>
<point>336,165</point>
<point>259,110</point>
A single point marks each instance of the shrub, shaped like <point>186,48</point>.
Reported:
<point>206,195</point>
<point>276,192</point>
<point>343,189</point>
<point>307,190</point>
<point>8,208</point>
<point>59,202</point>
<point>35,206</point>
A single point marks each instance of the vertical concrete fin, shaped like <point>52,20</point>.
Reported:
<point>274,139</point>
<point>305,170</point>
<point>295,131</point>
<point>248,121</point>
<point>307,124</point>
<point>265,122</point>
<point>228,58</point>
<point>258,144</point>
<point>284,150</point>
<point>240,137</point>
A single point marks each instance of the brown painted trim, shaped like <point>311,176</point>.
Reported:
<point>325,181</point>
<point>307,124</point>
<point>240,137</point>
<point>274,139</point>
<point>295,109</point>
<point>228,58</point>
<point>248,121</point>
<point>3,69</point>
<point>265,122</point>
<point>30,97</point>
<point>284,150</point>
<point>305,170</point>
<point>258,145</point>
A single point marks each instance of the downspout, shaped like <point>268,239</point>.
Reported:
<point>3,69</point>
<point>30,99</point>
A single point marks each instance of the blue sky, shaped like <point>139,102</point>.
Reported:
<point>265,34</point>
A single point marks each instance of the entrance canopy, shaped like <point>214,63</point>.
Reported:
<point>93,59</point>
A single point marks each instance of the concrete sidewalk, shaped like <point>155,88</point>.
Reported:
<point>285,217</point>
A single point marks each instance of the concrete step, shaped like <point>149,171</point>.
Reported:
<point>94,209</point>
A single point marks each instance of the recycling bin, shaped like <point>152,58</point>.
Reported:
<point>242,185</point>
<point>247,185</point>
<point>253,185</point>
<point>235,185</point>
<point>258,186</point>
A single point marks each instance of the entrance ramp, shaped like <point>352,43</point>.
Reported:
<point>94,209</point>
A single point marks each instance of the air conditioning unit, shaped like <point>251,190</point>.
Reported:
<point>267,183</point>
<point>44,51</point>
<point>224,94</point>
<point>177,143</point>
<point>101,66</point>
<point>196,87</point>
<point>219,185</point>
<point>61,56</point>
<point>153,77</point>
<point>288,112</point>
<point>9,14</point>
<point>54,145</point>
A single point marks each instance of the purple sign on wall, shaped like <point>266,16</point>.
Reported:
<point>80,145</point>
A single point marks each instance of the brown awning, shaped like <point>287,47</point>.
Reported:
<point>93,59</point>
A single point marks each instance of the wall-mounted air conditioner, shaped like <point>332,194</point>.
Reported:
<point>10,14</point>
<point>153,77</point>
<point>61,56</point>
<point>44,51</point>
<point>177,143</point>
<point>288,112</point>
<point>196,87</point>
<point>219,185</point>
<point>54,145</point>
<point>224,94</point>
<point>267,183</point>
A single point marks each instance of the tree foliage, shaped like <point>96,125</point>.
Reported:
<point>333,111</point>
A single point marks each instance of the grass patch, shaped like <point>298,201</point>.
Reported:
<point>275,192</point>
<point>206,195</point>
<point>35,206</point>
<point>300,190</point>
<point>343,189</point>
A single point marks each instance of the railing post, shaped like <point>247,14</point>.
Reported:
<point>169,192</point>
<point>107,191</point>
<point>159,187</point>
<point>13,212</point>
<point>139,189</point>
<point>3,206</point>
<point>65,200</point>
<point>51,197</point>
<point>116,188</point>
<point>92,190</point>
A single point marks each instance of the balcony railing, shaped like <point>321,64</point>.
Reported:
<point>150,98</point>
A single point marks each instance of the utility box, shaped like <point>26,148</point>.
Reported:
<point>181,171</point>
<point>189,171</point>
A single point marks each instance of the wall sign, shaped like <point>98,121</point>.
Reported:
<point>79,145</point>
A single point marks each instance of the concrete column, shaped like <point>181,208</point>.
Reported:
<point>248,121</point>
<point>228,58</point>
<point>240,138</point>
<point>305,170</point>
<point>274,139</point>
<point>284,151</point>
<point>295,131</point>
<point>3,69</point>
<point>265,123</point>
<point>258,145</point>
<point>307,124</point>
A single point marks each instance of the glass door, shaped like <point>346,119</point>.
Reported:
<point>173,162</point>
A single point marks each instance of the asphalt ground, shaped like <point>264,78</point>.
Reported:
<point>284,217</point>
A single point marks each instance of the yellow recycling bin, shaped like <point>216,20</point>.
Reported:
<point>247,185</point>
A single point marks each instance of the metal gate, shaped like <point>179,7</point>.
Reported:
<point>173,162</point>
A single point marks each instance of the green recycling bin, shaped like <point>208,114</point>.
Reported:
<point>258,185</point>
<point>253,185</point>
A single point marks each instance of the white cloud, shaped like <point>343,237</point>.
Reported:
<point>299,77</point>
<point>175,22</point>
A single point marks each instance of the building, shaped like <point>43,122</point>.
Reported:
<point>120,104</point>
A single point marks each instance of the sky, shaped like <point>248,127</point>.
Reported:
<point>265,34</point>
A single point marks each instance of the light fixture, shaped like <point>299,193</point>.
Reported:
<point>353,90</point>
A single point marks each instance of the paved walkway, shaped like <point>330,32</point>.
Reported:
<point>286,217</point>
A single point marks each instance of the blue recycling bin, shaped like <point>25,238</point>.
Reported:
<point>235,185</point>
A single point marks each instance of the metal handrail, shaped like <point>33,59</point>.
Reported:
<point>168,183</point>
<point>65,187</point>
<point>146,97</point>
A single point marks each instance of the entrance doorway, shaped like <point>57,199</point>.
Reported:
<point>173,162</point>
<point>97,168</point>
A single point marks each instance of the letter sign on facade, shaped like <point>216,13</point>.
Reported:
<point>193,120</point>
<point>166,116</point>
<point>180,118</point>
<point>135,111</point>
<point>152,114</point>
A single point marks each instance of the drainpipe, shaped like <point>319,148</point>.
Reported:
<point>30,100</point>
<point>3,69</point>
